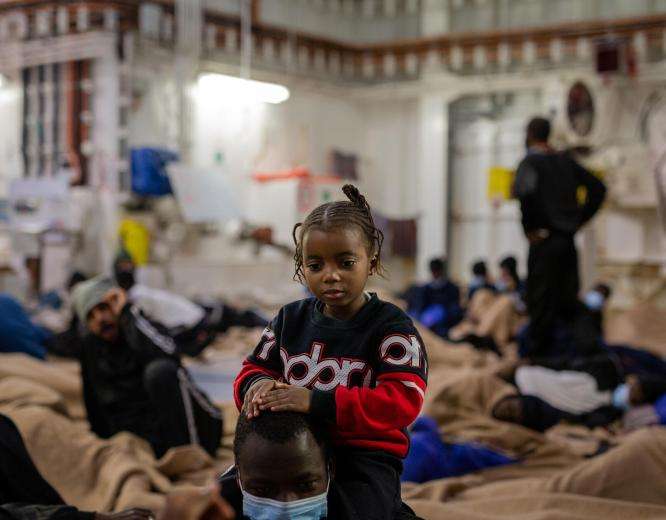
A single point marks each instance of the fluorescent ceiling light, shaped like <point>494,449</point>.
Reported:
<point>243,89</point>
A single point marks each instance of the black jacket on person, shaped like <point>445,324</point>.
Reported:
<point>547,187</point>
<point>24,494</point>
<point>113,376</point>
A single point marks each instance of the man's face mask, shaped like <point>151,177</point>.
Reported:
<point>594,300</point>
<point>311,508</point>
<point>125,278</point>
<point>621,397</point>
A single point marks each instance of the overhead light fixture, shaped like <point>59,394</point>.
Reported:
<point>242,89</point>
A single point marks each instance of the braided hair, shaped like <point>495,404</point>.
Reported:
<point>338,215</point>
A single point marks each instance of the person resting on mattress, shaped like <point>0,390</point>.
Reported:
<point>193,325</point>
<point>537,413</point>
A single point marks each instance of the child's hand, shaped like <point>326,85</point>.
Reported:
<point>256,391</point>
<point>286,398</point>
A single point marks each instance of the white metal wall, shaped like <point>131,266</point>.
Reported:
<point>482,137</point>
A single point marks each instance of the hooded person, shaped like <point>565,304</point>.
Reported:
<point>132,376</point>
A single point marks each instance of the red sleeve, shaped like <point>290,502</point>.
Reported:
<point>395,403</point>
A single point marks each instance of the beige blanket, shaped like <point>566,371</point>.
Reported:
<point>88,472</point>
<point>626,482</point>
<point>553,480</point>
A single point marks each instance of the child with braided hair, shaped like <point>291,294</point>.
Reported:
<point>344,356</point>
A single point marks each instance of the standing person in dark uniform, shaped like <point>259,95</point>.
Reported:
<point>547,184</point>
<point>132,376</point>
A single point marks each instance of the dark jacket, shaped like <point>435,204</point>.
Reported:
<point>547,187</point>
<point>113,376</point>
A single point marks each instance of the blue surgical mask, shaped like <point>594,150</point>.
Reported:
<point>258,508</point>
<point>594,300</point>
<point>621,397</point>
<point>501,286</point>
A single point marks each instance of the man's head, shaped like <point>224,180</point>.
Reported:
<point>479,269</point>
<point>603,289</point>
<point>281,456</point>
<point>538,132</point>
<point>96,303</point>
<point>438,268</point>
<point>123,270</point>
<point>509,278</point>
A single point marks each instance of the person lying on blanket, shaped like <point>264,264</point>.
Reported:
<point>132,376</point>
<point>538,414</point>
<point>25,495</point>
<point>192,324</point>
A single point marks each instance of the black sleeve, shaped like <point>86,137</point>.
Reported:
<point>96,419</point>
<point>150,339</point>
<point>67,343</point>
<point>525,190</point>
<point>37,512</point>
<point>230,491</point>
<point>596,192</point>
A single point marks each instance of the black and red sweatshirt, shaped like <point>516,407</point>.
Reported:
<point>368,374</point>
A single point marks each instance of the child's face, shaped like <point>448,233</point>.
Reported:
<point>337,266</point>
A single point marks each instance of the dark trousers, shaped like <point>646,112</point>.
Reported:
<point>552,288</point>
<point>370,482</point>
<point>222,316</point>
<point>184,413</point>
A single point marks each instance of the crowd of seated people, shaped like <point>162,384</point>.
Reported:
<point>320,436</point>
<point>436,304</point>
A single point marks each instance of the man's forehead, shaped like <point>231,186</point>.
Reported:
<point>299,455</point>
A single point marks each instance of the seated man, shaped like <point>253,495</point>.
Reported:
<point>25,495</point>
<point>493,318</point>
<point>437,303</point>
<point>132,376</point>
<point>480,279</point>
<point>284,469</point>
<point>510,282</point>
